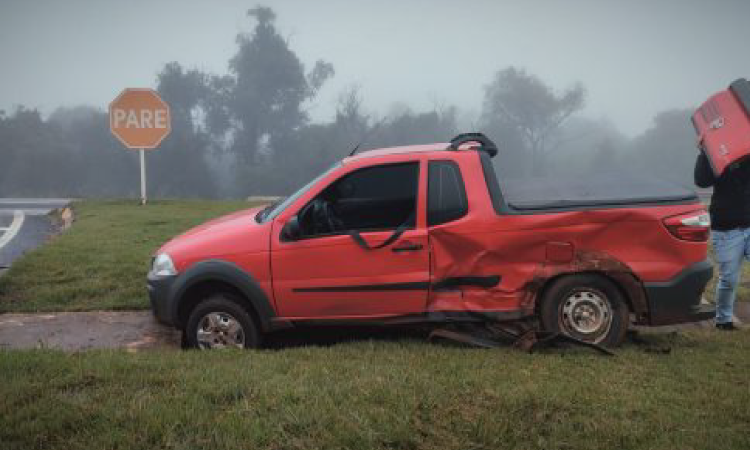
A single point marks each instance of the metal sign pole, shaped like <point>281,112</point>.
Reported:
<point>143,176</point>
<point>140,119</point>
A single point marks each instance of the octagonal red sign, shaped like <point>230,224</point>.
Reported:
<point>139,118</point>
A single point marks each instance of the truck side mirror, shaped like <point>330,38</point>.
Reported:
<point>292,230</point>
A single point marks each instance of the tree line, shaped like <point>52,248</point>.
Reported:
<point>248,132</point>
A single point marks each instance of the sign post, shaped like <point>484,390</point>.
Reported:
<point>143,176</point>
<point>140,119</point>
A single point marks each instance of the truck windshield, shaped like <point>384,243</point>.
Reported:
<point>279,207</point>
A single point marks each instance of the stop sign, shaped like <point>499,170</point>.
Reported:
<point>139,118</point>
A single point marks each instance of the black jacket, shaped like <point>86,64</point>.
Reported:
<point>730,202</point>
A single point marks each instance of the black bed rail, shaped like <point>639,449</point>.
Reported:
<point>741,89</point>
<point>485,144</point>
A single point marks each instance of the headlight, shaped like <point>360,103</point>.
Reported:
<point>163,266</point>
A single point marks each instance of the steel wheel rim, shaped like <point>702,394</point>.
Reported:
<point>587,314</point>
<point>217,330</point>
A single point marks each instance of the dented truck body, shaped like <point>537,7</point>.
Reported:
<point>454,248</point>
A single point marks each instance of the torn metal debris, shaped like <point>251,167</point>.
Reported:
<point>518,335</point>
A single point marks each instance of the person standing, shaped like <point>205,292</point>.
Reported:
<point>730,230</point>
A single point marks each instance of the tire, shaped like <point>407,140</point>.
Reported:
<point>587,307</point>
<point>221,322</point>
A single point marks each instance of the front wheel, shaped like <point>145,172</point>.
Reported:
<point>220,322</point>
<point>586,307</point>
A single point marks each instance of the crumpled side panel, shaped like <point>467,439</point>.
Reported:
<point>527,251</point>
<point>458,254</point>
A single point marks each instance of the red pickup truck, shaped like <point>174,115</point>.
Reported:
<point>429,234</point>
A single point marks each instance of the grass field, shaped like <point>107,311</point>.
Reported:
<point>101,262</point>
<point>402,394</point>
<point>395,393</point>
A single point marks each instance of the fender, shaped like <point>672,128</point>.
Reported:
<point>229,273</point>
<point>595,262</point>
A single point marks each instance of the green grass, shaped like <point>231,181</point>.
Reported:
<point>102,261</point>
<point>383,395</point>
<point>395,394</point>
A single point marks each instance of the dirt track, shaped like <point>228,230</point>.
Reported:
<point>138,330</point>
<point>85,330</point>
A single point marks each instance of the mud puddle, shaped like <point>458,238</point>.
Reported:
<point>135,330</point>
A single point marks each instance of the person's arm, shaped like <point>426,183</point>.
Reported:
<point>704,176</point>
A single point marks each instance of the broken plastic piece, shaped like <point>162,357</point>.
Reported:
<point>518,334</point>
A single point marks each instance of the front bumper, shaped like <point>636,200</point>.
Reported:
<point>160,294</point>
<point>679,299</point>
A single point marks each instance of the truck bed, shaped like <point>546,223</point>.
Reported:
<point>592,191</point>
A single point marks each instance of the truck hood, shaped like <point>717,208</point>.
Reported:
<point>236,233</point>
<point>237,219</point>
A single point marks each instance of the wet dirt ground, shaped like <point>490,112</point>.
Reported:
<point>86,330</point>
<point>138,330</point>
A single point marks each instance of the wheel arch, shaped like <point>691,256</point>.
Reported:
<point>629,286</point>
<point>216,275</point>
<point>595,326</point>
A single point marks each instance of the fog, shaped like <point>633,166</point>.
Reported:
<point>412,71</point>
<point>636,58</point>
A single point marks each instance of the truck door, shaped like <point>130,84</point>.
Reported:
<point>362,249</point>
<point>462,279</point>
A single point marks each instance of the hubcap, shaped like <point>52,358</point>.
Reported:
<point>219,330</point>
<point>586,314</point>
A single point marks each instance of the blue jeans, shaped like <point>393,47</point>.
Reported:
<point>730,248</point>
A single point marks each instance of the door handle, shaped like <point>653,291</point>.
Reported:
<point>407,247</point>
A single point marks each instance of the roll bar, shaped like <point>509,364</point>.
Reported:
<point>485,144</point>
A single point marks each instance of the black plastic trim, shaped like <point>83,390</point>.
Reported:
<point>486,144</point>
<point>679,299</point>
<point>571,205</point>
<point>159,293</point>
<point>741,89</point>
<point>479,281</point>
<point>493,185</point>
<point>413,286</point>
<point>167,294</point>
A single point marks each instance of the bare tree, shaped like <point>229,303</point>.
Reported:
<point>350,117</point>
<point>523,102</point>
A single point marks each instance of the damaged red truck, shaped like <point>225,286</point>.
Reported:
<point>428,234</point>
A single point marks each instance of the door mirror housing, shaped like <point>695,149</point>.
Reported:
<point>291,231</point>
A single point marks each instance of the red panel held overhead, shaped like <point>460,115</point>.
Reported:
<point>723,126</point>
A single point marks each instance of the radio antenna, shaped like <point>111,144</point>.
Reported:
<point>367,135</point>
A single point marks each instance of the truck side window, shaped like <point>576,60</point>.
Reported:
<point>374,198</point>
<point>446,195</point>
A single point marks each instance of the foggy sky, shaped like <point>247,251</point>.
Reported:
<point>636,58</point>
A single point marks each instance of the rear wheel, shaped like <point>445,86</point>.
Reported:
<point>587,307</point>
<point>221,322</point>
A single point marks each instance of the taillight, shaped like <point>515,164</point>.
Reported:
<point>694,226</point>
